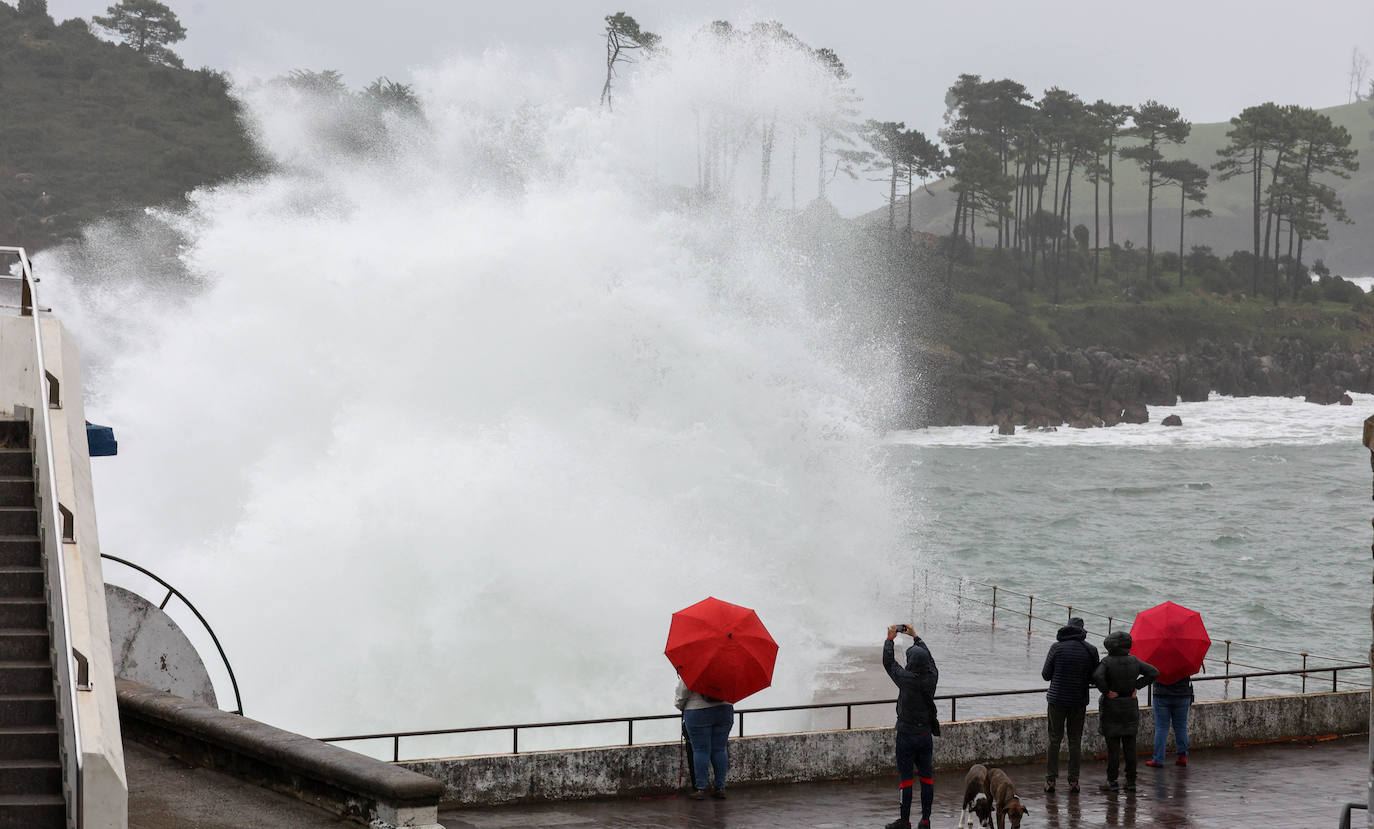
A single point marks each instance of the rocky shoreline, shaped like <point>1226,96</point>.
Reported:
<point>1087,387</point>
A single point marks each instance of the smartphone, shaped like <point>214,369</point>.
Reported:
<point>902,629</point>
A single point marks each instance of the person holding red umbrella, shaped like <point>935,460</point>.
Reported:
<point>916,723</point>
<point>1172,638</point>
<point>722,653</point>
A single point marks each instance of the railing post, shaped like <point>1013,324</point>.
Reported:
<point>1242,686</point>
<point>1109,624</point>
<point>1304,672</point>
<point>396,749</point>
<point>848,717</point>
<point>953,709</point>
<point>631,724</point>
<point>741,724</point>
<point>1070,611</point>
<point>994,605</point>
<point>1334,671</point>
<point>1030,615</point>
<point>1228,657</point>
<point>515,741</point>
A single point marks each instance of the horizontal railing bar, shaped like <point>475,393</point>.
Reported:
<point>818,706</point>
<point>1012,609</point>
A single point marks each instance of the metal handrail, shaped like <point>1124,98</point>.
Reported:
<point>66,669</point>
<point>395,736</point>
<point>1074,610</point>
<point>172,591</point>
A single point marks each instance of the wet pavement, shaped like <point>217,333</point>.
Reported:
<point>1288,785</point>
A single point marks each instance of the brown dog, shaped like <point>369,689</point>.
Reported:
<point>976,800</point>
<point>1005,801</point>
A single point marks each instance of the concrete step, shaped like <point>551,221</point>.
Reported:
<point>30,777</point>
<point>26,645</point>
<point>29,677</point>
<point>28,742</point>
<point>28,709</point>
<point>23,550</point>
<point>16,491</point>
<point>16,462</point>
<point>32,811</point>
<point>27,613</point>
<point>21,581</point>
<point>14,434</point>
<point>18,521</point>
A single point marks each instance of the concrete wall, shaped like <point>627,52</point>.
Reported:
<point>105,789</point>
<point>350,785</point>
<point>150,648</point>
<point>829,755</point>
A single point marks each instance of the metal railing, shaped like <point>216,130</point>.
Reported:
<point>66,667</point>
<point>1031,600</point>
<point>629,722</point>
<point>172,591</point>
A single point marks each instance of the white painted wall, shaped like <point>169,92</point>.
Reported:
<point>105,789</point>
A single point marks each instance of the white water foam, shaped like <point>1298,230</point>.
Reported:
<point>440,433</point>
<point>1219,422</point>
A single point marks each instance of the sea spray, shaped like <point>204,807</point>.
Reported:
<point>439,420</point>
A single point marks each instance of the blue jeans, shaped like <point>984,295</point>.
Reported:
<point>1175,710</point>
<point>708,729</point>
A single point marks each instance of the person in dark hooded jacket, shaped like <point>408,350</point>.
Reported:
<point>916,723</point>
<point>1118,676</point>
<point>1069,668</point>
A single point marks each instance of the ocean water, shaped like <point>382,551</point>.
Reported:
<point>1256,512</point>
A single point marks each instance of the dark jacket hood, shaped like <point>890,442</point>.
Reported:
<point>1117,643</point>
<point>916,656</point>
<point>1073,630</point>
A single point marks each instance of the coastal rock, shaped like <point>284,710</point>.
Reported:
<point>1171,420</point>
<point>1136,413</point>
<point>1345,400</point>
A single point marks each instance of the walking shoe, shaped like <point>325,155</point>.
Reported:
<point>1049,786</point>
<point>1152,764</point>
<point>696,794</point>
<point>924,824</point>
<point>1073,787</point>
<point>900,824</point>
<point>1182,760</point>
<point>1109,786</point>
<point>1130,785</point>
<point>718,794</point>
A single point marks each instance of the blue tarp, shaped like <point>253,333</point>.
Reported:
<point>101,441</point>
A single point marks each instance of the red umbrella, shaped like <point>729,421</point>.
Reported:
<point>721,650</point>
<point>1172,638</point>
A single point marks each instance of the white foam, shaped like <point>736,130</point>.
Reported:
<point>1219,422</point>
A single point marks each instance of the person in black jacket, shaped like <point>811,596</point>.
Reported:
<point>1069,668</point>
<point>1118,676</point>
<point>916,723</point>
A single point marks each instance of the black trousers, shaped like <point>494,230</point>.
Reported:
<point>1061,717</point>
<point>916,761</point>
<point>1117,749</point>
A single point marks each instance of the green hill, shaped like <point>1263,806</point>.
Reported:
<point>91,128</point>
<point>1350,250</point>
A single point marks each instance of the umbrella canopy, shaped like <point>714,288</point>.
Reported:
<point>721,650</point>
<point>1172,638</point>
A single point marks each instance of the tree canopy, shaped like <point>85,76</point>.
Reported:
<point>146,25</point>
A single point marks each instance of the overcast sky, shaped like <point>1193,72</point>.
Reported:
<point>1208,58</point>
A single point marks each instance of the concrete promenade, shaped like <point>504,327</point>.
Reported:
<point>1290,785</point>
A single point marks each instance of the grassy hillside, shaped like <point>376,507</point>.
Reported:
<point>1350,250</point>
<point>91,128</point>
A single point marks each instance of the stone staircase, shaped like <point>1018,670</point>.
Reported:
<point>31,785</point>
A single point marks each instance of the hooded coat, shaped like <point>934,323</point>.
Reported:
<point>915,688</point>
<point>1069,666</point>
<point>1123,673</point>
